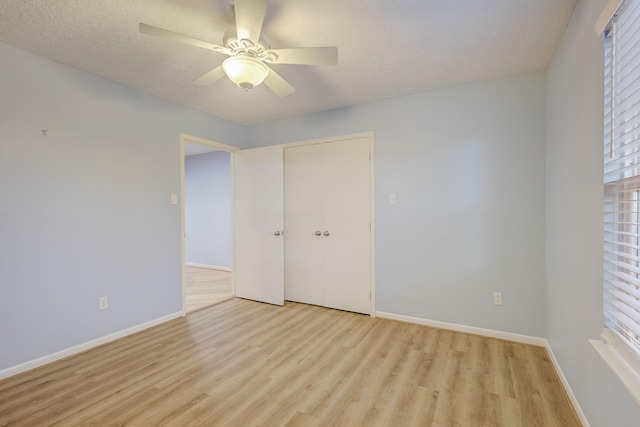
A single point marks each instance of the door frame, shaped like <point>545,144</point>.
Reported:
<point>372,199</point>
<point>184,138</point>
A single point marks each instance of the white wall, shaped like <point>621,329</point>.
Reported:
<point>574,230</point>
<point>207,206</point>
<point>467,165</point>
<point>84,210</point>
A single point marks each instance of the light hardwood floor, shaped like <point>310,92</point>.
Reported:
<point>242,363</point>
<point>206,287</point>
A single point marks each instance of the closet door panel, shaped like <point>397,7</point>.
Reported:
<point>303,219</point>
<point>347,248</point>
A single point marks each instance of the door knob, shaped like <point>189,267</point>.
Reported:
<point>277,233</point>
<point>326,233</point>
<point>318,233</point>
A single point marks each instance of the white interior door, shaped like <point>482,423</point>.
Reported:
<point>303,218</point>
<point>258,224</point>
<point>347,216</point>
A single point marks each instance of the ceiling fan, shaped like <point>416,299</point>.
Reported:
<point>248,51</point>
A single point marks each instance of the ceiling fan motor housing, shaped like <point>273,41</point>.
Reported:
<point>230,40</point>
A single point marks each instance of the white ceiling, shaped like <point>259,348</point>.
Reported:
<point>387,48</point>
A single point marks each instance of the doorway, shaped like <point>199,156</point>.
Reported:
<point>207,271</point>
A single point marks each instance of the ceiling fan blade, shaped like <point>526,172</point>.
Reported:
<point>306,55</point>
<point>278,85</point>
<point>211,77</point>
<point>181,38</point>
<point>249,18</point>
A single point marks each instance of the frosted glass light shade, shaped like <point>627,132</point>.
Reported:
<point>244,71</point>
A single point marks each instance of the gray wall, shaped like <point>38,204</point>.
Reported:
<point>467,165</point>
<point>574,230</point>
<point>207,191</point>
<point>85,210</point>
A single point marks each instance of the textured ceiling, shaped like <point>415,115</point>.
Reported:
<point>387,48</point>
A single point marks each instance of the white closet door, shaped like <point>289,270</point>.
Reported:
<point>258,224</point>
<point>347,248</point>
<point>303,240</point>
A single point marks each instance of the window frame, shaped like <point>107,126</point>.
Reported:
<point>619,345</point>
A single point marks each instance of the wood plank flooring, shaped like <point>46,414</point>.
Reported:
<point>206,287</point>
<point>242,363</point>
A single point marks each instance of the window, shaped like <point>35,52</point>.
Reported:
<point>621,260</point>
<point>622,266</point>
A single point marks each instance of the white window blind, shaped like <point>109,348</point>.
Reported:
<point>622,181</point>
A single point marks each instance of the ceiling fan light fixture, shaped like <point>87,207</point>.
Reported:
<point>245,71</point>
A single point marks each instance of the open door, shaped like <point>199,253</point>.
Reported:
<point>259,220</point>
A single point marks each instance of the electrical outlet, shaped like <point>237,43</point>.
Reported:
<point>174,199</point>
<point>497,298</point>
<point>103,303</point>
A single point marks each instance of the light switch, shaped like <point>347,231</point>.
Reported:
<point>392,199</point>
<point>174,199</point>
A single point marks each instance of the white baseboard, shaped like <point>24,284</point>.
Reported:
<point>525,339</point>
<point>567,387</point>
<point>212,267</point>
<point>32,364</point>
